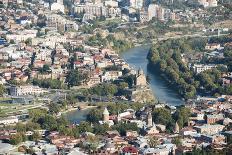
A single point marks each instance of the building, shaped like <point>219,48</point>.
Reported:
<point>210,119</point>
<point>26,90</point>
<point>149,120</point>
<point>137,4</point>
<point>8,120</point>
<point>58,6</point>
<point>212,46</point>
<point>140,79</point>
<point>143,16</point>
<point>22,35</point>
<point>152,11</point>
<point>197,68</point>
<point>208,3</point>
<point>106,115</point>
<point>209,129</point>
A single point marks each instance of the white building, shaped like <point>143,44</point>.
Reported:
<point>58,6</point>
<point>22,35</point>
<point>197,68</point>
<point>8,120</point>
<point>209,129</point>
<point>208,3</point>
<point>152,11</point>
<point>26,90</point>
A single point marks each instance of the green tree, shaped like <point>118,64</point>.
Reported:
<point>35,136</point>
<point>16,138</point>
<point>162,116</point>
<point>85,127</point>
<point>2,90</point>
<point>153,142</point>
<point>94,116</point>
<point>75,78</point>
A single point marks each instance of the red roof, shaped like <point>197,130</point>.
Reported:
<point>129,149</point>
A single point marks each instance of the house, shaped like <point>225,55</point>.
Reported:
<point>197,68</point>
<point>209,129</point>
<point>155,151</point>
<point>8,120</point>
<point>26,90</point>
<point>212,46</point>
<point>129,150</point>
<point>210,119</point>
<point>216,139</point>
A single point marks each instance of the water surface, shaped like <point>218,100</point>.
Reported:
<point>137,58</point>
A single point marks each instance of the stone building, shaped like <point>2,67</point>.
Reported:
<point>149,120</point>
<point>140,79</point>
<point>106,115</point>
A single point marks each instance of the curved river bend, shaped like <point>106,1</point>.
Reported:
<point>137,58</point>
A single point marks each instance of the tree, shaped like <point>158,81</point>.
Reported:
<point>85,127</point>
<point>153,142</point>
<point>177,141</point>
<point>16,139</point>
<point>75,78</point>
<point>54,108</point>
<point>162,116</point>
<point>35,136</point>
<point>94,116</point>
<point>2,90</point>
<point>182,115</point>
<point>20,127</point>
<point>12,41</point>
<point>101,129</point>
<point>48,122</point>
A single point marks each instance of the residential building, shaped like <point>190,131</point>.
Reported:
<point>26,90</point>
<point>209,129</point>
<point>8,120</point>
<point>197,68</point>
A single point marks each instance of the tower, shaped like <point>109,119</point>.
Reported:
<point>177,128</point>
<point>106,115</point>
<point>140,79</point>
<point>149,120</point>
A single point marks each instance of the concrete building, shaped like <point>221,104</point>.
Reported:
<point>208,3</point>
<point>209,129</point>
<point>197,68</point>
<point>26,90</point>
<point>8,120</point>
<point>210,119</point>
<point>22,35</point>
<point>58,6</point>
<point>152,11</point>
<point>137,4</point>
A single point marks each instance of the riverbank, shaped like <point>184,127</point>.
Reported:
<point>76,108</point>
<point>137,58</point>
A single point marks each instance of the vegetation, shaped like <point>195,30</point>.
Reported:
<point>109,41</point>
<point>49,83</point>
<point>75,78</point>
<point>166,58</point>
<point>164,116</point>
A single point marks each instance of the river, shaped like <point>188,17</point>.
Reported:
<point>137,58</point>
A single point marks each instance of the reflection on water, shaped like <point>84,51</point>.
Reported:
<point>137,58</point>
<point>76,116</point>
